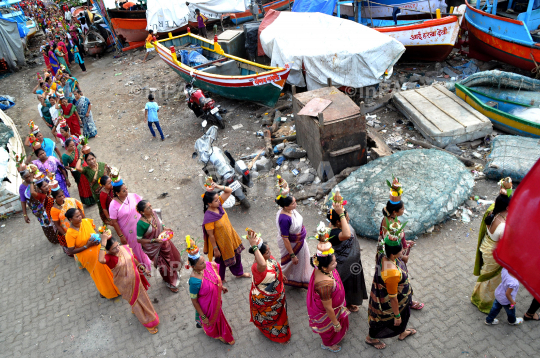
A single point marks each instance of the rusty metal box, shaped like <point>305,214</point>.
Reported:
<point>337,137</point>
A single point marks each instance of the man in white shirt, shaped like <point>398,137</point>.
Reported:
<point>67,15</point>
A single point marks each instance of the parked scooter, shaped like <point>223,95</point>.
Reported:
<point>219,165</point>
<point>202,106</point>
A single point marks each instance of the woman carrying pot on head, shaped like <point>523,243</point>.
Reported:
<point>291,242</point>
<point>83,242</point>
<point>161,251</point>
<point>71,159</point>
<point>58,214</point>
<point>129,279</point>
<point>347,252</point>
<point>124,216</point>
<point>267,295</point>
<point>221,241</point>
<point>106,195</point>
<point>205,290</point>
<point>325,299</point>
<point>72,117</point>
<point>92,170</point>
<point>39,205</point>
<point>84,109</point>
<point>46,164</point>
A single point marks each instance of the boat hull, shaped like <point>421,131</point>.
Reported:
<point>264,88</point>
<point>385,12</point>
<point>492,46</point>
<point>501,120</point>
<point>430,40</point>
<point>241,17</point>
<point>132,30</point>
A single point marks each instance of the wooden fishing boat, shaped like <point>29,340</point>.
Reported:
<point>424,40</point>
<point>241,17</point>
<point>225,75</point>
<point>504,34</point>
<point>132,30</point>
<point>498,110</point>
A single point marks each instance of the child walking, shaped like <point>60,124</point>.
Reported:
<point>505,297</point>
<point>150,112</point>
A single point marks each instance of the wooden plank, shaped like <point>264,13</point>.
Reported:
<point>314,107</point>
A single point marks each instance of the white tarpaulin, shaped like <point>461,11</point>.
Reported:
<point>166,15</point>
<point>213,9</point>
<point>328,47</point>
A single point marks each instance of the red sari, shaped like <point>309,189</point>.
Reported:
<point>70,114</point>
<point>47,62</point>
<point>267,302</point>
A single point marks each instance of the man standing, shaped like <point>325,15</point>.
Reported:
<point>255,11</point>
<point>67,15</point>
<point>201,23</point>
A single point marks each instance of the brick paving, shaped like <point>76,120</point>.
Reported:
<point>50,308</point>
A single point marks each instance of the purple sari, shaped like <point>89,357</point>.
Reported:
<point>53,165</point>
<point>318,318</point>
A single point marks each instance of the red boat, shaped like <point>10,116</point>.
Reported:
<point>504,34</point>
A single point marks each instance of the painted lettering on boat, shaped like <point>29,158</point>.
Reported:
<point>264,80</point>
<point>426,35</point>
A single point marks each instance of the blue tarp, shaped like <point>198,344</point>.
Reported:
<point>193,57</point>
<point>322,6</point>
<point>6,103</point>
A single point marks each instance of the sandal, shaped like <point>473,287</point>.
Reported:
<point>153,330</point>
<point>526,317</point>
<point>353,308</point>
<point>377,344</point>
<point>175,290</point>
<point>330,349</point>
<point>418,306</point>
<point>411,331</point>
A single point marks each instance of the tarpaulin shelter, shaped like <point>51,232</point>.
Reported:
<point>325,46</point>
<point>11,46</point>
<point>10,180</point>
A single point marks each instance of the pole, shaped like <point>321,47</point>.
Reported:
<point>370,13</point>
<point>356,10</point>
<point>430,13</point>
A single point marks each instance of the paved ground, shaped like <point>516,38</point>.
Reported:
<point>49,308</point>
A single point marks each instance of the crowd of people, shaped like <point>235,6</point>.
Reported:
<point>333,275</point>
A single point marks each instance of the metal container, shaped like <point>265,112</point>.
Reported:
<point>233,42</point>
<point>335,139</point>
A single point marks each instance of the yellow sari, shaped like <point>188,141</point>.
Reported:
<point>101,274</point>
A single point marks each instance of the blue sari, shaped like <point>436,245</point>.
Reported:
<point>54,62</point>
<point>89,127</point>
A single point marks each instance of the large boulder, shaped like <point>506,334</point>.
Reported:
<point>435,184</point>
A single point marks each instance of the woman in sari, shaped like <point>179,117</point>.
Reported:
<point>44,51</point>
<point>92,170</point>
<point>106,196</point>
<point>61,56</point>
<point>163,254</point>
<point>325,302</point>
<point>391,212</point>
<point>40,208</point>
<point>205,289</point>
<point>347,252</point>
<point>72,117</point>
<point>267,296</point>
<point>65,134</point>
<point>291,243</point>
<point>485,266</point>
<point>124,216</point>
<point>221,241</point>
<point>81,244</point>
<point>391,296</point>
<point>71,159</point>
<point>53,60</point>
<point>58,214</point>
<point>84,108</point>
<point>47,164</point>
<point>128,277</point>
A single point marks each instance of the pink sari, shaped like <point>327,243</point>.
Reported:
<point>318,319</point>
<point>209,297</point>
<point>127,216</point>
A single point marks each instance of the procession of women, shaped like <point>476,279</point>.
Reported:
<point>130,240</point>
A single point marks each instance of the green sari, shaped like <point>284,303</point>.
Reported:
<point>70,162</point>
<point>93,178</point>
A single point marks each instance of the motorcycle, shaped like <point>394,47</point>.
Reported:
<point>202,106</point>
<point>223,169</point>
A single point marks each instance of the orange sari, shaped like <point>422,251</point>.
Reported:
<point>101,274</point>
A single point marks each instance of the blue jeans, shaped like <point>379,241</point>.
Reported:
<point>152,129</point>
<point>496,308</point>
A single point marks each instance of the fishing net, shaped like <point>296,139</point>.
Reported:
<point>512,156</point>
<point>435,184</point>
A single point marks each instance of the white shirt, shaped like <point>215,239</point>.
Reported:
<point>39,106</point>
<point>54,113</point>
<point>67,14</point>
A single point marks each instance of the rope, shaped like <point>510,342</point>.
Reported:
<point>536,69</point>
